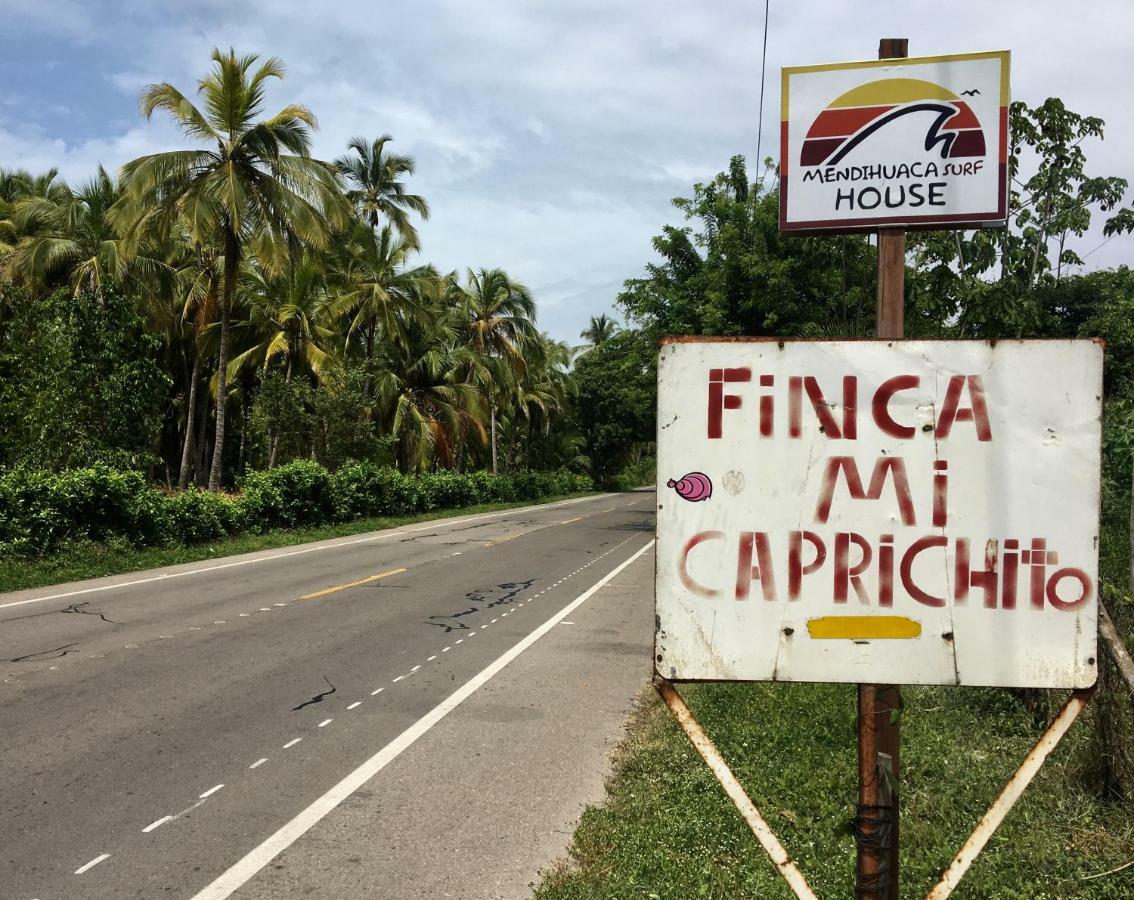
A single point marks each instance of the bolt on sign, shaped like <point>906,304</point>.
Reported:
<point>904,143</point>
<point>919,512</point>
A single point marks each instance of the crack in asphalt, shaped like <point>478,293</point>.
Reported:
<point>31,657</point>
<point>318,698</point>
<point>73,608</point>
<point>507,591</point>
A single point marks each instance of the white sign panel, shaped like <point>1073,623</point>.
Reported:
<point>919,142</point>
<point>919,512</point>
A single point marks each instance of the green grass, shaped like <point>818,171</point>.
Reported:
<point>668,831</point>
<point>91,560</point>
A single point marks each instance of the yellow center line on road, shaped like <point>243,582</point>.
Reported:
<point>510,537</point>
<point>343,587</point>
<point>519,534</point>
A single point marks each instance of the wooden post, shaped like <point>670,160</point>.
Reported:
<point>879,735</point>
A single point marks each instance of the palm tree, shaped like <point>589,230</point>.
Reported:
<point>376,189</point>
<point>378,291</point>
<point>425,403</point>
<point>254,190</point>
<point>67,235</point>
<point>601,329</point>
<point>500,325</point>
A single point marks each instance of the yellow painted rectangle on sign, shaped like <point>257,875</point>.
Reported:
<point>863,628</point>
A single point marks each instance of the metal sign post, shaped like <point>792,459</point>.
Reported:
<point>879,729</point>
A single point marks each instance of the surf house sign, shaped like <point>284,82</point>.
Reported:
<point>903,143</point>
<point>919,512</point>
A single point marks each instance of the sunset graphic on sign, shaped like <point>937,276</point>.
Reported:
<point>856,115</point>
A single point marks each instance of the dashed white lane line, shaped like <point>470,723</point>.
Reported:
<point>211,791</point>
<point>325,722</point>
<point>414,669</point>
<point>377,692</point>
<point>432,658</point>
<point>242,615</point>
<point>356,703</point>
<point>292,742</point>
<point>461,641</point>
<point>94,862</point>
<point>259,762</point>
<point>399,678</point>
<point>219,622</point>
<point>315,549</point>
<point>265,609</point>
<point>446,650</point>
<point>279,604</point>
<point>246,867</point>
<point>156,824</point>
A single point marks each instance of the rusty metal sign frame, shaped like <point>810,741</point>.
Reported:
<point>964,858</point>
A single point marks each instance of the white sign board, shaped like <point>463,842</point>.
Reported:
<point>919,142</point>
<point>918,512</point>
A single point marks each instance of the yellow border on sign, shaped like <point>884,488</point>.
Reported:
<point>1005,57</point>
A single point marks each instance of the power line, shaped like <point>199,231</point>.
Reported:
<point>763,77</point>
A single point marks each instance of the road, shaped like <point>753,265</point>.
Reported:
<point>420,712</point>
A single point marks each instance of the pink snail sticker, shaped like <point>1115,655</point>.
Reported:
<point>693,487</point>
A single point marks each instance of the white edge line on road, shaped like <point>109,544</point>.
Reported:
<point>245,868</point>
<point>247,562</point>
<point>94,862</point>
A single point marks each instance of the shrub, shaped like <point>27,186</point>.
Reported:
<point>299,493</point>
<point>40,511</point>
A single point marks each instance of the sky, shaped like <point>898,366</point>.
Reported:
<point>549,137</point>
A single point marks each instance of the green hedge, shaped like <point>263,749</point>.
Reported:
<point>40,511</point>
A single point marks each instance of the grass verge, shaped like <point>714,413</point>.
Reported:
<point>92,560</point>
<point>668,831</point>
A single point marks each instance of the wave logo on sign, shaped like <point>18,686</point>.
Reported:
<point>869,108</point>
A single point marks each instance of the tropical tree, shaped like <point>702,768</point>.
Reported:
<point>601,328</point>
<point>254,190</point>
<point>500,326</point>
<point>375,187</point>
<point>427,407</point>
<point>379,291</point>
<point>65,235</point>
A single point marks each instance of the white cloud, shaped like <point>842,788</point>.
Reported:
<point>550,137</point>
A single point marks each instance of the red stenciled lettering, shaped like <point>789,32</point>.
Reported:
<point>828,424</point>
<point>976,412</point>
<point>886,464</point>
<point>986,579</point>
<point>797,568</point>
<point>880,406</point>
<point>1037,558</point>
<point>940,493</point>
<point>719,400</point>
<point>886,570</point>
<point>906,570</point>
<point>762,571</point>
<point>847,575</point>
<point>1085,588</point>
<point>682,566</point>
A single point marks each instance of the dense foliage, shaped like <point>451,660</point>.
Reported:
<point>235,304</point>
<point>41,511</point>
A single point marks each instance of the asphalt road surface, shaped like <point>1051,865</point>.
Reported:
<point>420,712</point>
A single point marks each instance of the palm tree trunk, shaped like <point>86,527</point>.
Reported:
<point>492,426</point>
<point>231,261</point>
<point>187,444</point>
<point>243,429</point>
